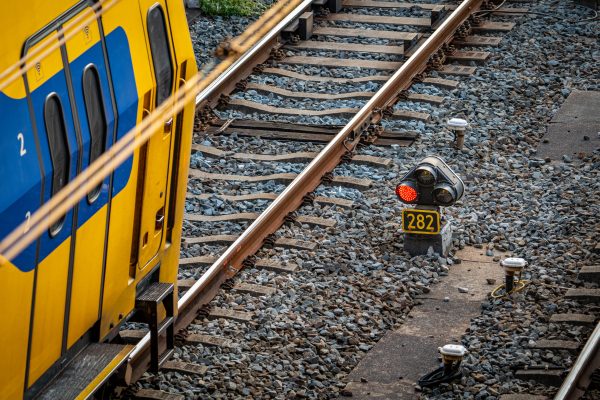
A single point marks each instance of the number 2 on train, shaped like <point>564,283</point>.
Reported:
<point>21,140</point>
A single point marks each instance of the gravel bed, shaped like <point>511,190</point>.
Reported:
<point>297,103</point>
<point>350,55</point>
<point>298,85</point>
<point>308,120</point>
<point>234,144</point>
<point>346,72</point>
<point>413,12</point>
<point>358,283</point>
<point>365,26</point>
<point>208,32</point>
<point>415,106</point>
<point>350,39</point>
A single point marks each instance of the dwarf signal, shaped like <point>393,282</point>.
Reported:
<point>430,183</point>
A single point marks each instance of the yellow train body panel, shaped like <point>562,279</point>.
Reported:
<point>78,282</point>
<point>87,278</point>
<point>49,311</point>
<point>15,321</point>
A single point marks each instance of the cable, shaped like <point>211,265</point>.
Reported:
<point>440,375</point>
<point>519,285</point>
<point>486,12</point>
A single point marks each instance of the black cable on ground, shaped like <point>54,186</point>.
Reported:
<point>438,376</point>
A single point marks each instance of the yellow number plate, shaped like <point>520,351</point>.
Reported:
<point>422,222</point>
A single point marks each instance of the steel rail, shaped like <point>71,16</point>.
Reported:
<point>251,240</point>
<point>578,379</point>
<point>329,157</point>
<point>248,60</point>
<point>223,82</point>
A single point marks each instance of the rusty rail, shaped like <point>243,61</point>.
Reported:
<point>251,240</point>
<point>257,54</point>
<point>579,377</point>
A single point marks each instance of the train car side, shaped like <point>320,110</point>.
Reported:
<point>78,282</point>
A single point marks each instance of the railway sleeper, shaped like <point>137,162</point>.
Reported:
<point>271,265</point>
<point>573,319</point>
<point>153,394</point>
<point>547,377</point>
<point>584,295</point>
<point>590,273</point>
<point>184,367</point>
<point>234,315</point>
<point>209,340</point>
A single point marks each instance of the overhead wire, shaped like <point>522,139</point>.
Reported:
<point>29,60</point>
<point>51,211</point>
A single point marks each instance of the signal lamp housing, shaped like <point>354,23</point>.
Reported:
<point>444,194</point>
<point>430,183</point>
<point>425,175</point>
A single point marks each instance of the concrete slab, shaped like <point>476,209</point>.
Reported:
<point>575,128</point>
<point>381,391</point>
<point>479,255</point>
<point>470,275</point>
<point>426,319</point>
<point>397,355</point>
<point>394,365</point>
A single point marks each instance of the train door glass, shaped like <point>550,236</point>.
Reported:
<point>96,116</point>
<point>157,166</point>
<point>59,148</point>
<point>161,55</point>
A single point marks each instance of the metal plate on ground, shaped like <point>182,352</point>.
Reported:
<point>87,371</point>
<point>575,129</point>
<point>421,222</point>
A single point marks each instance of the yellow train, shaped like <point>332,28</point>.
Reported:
<point>66,295</point>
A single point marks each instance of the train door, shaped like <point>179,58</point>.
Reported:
<point>59,151</point>
<point>93,99</point>
<point>151,200</point>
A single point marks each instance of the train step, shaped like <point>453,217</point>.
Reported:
<point>148,304</point>
<point>87,371</point>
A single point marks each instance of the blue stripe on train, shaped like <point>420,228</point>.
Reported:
<point>20,174</point>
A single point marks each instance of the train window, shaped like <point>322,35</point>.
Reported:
<point>161,56</point>
<point>59,148</point>
<point>96,116</point>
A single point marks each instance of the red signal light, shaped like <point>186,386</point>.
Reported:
<point>406,192</point>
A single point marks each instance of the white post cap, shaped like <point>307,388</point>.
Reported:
<point>453,350</point>
<point>513,263</point>
<point>458,124</point>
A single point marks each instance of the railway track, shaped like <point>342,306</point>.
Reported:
<point>252,192</point>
